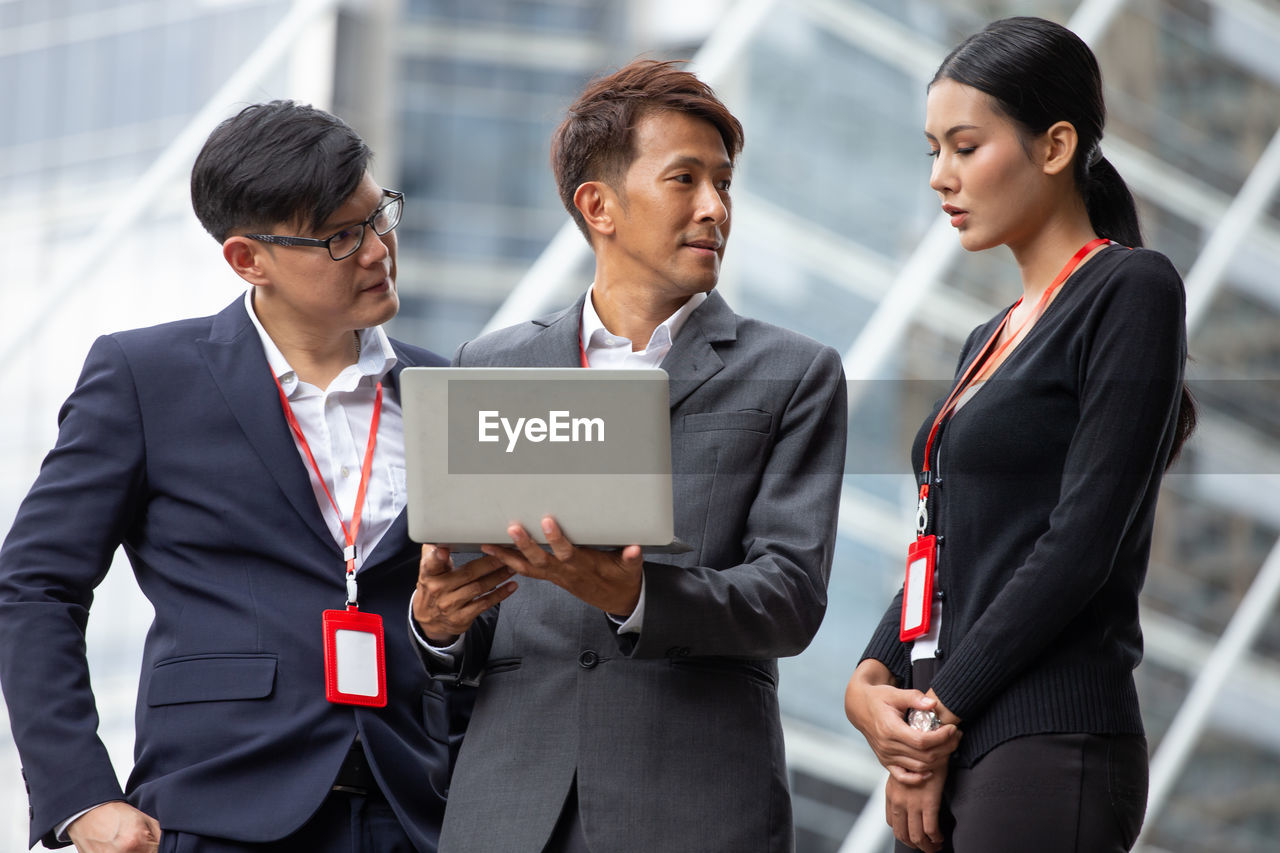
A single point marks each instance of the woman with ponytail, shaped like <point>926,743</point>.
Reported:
<point>998,689</point>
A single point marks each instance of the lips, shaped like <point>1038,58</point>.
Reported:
<point>709,245</point>
<point>958,215</point>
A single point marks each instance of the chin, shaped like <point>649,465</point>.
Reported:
<point>974,242</point>
<point>389,310</point>
<point>705,283</point>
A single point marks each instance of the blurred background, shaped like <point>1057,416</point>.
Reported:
<point>104,103</point>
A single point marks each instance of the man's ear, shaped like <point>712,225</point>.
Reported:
<point>596,201</point>
<point>244,256</point>
<point>1059,143</point>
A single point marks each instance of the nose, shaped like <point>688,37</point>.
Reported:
<point>713,205</point>
<point>941,177</point>
<point>374,248</point>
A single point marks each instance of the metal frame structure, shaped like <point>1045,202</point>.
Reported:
<point>915,292</point>
<point>304,18</point>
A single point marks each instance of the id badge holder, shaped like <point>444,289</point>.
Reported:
<point>917,590</point>
<point>354,664</point>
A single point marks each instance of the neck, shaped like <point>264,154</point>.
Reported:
<point>630,312</point>
<point>317,357</point>
<point>1042,257</point>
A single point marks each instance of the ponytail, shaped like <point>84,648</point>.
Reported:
<point>1112,212</point>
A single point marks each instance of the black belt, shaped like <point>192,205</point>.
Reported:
<point>355,776</point>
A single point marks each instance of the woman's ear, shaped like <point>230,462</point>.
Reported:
<point>1059,144</point>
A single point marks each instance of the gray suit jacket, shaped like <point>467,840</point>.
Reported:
<point>673,735</point>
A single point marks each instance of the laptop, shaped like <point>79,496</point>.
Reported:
<point>488,446</point>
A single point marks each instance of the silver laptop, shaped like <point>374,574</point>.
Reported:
<point>488,446</point>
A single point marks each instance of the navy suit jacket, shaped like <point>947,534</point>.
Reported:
<point>174,445</point>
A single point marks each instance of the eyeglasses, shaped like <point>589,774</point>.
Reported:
<point>347,242</point>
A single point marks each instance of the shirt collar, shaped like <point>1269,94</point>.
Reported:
<point>376,355</point>
<point>594,332</point>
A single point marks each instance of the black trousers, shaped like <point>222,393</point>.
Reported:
<point>1055,793</point>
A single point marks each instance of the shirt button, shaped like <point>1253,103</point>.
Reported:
<point>588,659</point>
<point>346,472</point>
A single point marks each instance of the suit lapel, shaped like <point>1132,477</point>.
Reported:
<point>693,358</point>
<point>560,343</point>
<point>239,367</point>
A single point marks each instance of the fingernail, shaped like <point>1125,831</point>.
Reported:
<point>546,525</point>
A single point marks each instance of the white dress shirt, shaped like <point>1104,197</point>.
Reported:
<point>605,349</point>
<point>335,421</point>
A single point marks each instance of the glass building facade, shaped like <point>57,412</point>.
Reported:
<point>835,234</point>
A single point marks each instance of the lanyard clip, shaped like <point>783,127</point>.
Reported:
<point>352,598</point>
<point>922,511</point>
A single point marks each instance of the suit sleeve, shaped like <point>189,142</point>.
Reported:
<point>1131,380</point>
<point>61,544</point>
<point>466,664</point>
<point>771,604</point>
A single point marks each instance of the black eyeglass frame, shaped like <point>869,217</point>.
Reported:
<point>393,197</point>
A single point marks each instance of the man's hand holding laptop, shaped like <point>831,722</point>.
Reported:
<point>609,580</point>
<point>449,598</point>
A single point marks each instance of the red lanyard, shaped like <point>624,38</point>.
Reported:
<point>349,553</point>
<point>581,349</point>
<point>969,377</point>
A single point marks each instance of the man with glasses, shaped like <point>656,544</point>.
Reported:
<point>252,466</point>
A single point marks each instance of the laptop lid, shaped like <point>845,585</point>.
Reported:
<point>486,446</point>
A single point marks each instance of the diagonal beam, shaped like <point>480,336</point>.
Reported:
<point>166,168</point>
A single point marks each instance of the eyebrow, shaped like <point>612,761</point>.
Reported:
<point>953,131</point>
<point>692,160</point>
<point>330,227</point>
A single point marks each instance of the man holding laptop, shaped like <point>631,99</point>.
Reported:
<point>628,700</point>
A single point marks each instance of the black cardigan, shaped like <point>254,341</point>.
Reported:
<point>1045,497</point>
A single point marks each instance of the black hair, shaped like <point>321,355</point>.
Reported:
<point>276,162</point>
<point>1038,73</point>
<point>596,140</point>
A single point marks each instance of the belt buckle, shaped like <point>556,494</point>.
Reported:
<point>348,789</point>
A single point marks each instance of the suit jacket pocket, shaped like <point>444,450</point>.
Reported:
<point>497,665</point>
<point>711,666</point>
<point>752,420</point>
<point>211,678</point>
